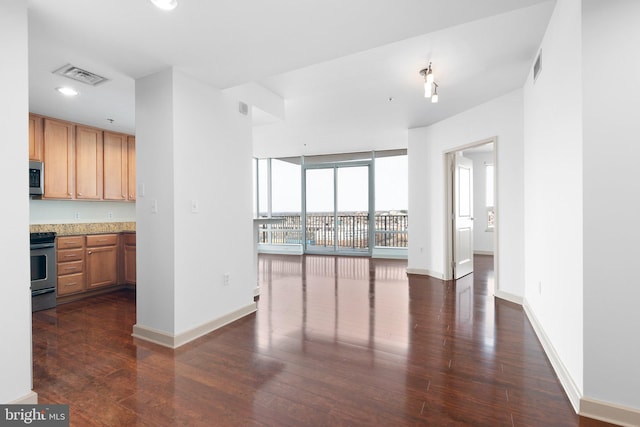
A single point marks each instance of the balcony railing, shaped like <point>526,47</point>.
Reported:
<point>350,231</point>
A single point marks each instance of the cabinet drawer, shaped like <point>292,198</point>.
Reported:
<point>102,240</point>
<point>70,255</point>
<point>70,268</point>
<point>70,242</point>
<point>70,284</point>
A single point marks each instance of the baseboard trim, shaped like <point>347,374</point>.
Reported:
<point>280,249</point>
<point>483,253</point>
<point>389,253</point>
<point>508,297</point>
<point>174,341</point>
<point>609,412</point>
<point>28,399</point>
<point>424,272</point>
<point>570,388</point>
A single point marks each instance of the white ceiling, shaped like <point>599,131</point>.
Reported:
<point>338,61</point>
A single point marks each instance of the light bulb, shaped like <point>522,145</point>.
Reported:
<point>165,4</point>
<point>427,90</point>
<point>430,76</point>
<point>434,98</point>
<point>67,91</point>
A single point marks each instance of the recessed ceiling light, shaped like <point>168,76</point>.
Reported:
<point>165,4</point>
<point>67,91</point>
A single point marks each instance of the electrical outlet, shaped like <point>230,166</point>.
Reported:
<point>226,280</point>
<point>154,206</point>
<point>195,208</point>
<point>110,215</point>
<point>77,215</point>
<point>540,287</point>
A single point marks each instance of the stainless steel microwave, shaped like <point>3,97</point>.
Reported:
<point>36,178</point>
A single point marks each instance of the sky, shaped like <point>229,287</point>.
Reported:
<point>391,187</point>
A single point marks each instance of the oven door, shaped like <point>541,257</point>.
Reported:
<point>43,276</point>
<point>43,267</point>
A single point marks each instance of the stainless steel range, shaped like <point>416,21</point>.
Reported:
<point>43,270</point>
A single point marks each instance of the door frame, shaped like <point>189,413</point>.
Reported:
<point>370,197</point>
<point>448,156</point>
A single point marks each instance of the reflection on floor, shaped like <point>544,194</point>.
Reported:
<point>335,341</point>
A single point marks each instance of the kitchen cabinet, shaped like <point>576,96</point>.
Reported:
<point>36,135</point>
<point>102,260</point>
<point>129,249</point>
<point>70,264</point>
<point>81,162</point>
<point>131,162</point>
<point>89,163</point>
<point>59,159</point>
<point>96,263</point>
<point>116,186</point>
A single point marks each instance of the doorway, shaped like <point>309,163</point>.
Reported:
<point>471,206</point>
<point>337,215</point>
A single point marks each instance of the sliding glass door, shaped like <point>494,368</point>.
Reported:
<point>338,208</point>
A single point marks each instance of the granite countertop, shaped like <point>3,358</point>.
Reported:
<point>85,228</point>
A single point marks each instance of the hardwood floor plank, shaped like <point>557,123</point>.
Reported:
<point>335,342</point>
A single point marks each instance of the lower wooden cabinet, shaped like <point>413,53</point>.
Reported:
<point>102,260</point>
<point>87,263</point>
<point>70,264</point>
<point>130,259</point>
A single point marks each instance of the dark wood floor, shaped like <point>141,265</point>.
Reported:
<point>335,341</point>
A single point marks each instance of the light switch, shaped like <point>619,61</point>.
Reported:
<point>154,206</point>
<point>194,206</point>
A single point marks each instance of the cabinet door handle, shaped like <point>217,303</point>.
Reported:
<point>69,255</point>
<point>89,252</point>
<point>71,284</point>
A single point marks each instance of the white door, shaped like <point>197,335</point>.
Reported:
<point>462,216</point>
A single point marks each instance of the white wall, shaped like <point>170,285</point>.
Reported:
<point>611,66</point>
<point>74,211</point>
<point>303,132</point>
<point>501,117</point>
<point>155,263</point>
<point>212,159</point>
<point>553,189</point>
<point>482,238</point>
<point>15,304</point>
<point>192,145</point>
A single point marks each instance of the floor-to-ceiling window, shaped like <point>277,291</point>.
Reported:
<point>391,200</point>
<point>338,207</point>
<point>350,203</point>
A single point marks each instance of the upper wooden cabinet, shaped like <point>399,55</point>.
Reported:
<point>36,135</point>
<point>59,159</point>
<point>132,167</point>
<point>89,163</point>
<point>116,185</point>
<point>82,162</point>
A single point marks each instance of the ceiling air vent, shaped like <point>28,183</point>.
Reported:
<point>80,75</point>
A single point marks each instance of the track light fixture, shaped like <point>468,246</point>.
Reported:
<point>430,86</point>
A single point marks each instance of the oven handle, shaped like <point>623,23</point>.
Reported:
<point>42,292</point>
<point>42,245</point>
